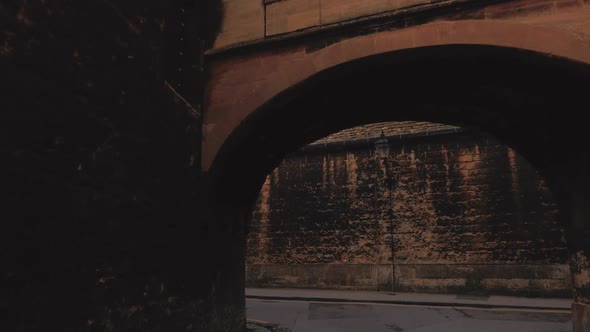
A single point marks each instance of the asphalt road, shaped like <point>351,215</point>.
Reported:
<point>301,316</point>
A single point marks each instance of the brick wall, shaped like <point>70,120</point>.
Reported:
<point>468,214</point>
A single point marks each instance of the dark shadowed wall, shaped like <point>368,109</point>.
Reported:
<point>468,213</point>
<point>101,107</point>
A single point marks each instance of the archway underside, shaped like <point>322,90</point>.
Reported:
<point>242,84</point>
<point>530,101</point>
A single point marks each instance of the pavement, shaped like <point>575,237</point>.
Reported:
<point>314,316</point>
<point>418,299</point>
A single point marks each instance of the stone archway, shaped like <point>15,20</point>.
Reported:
<point>241,86</point>
<point>498,77</point>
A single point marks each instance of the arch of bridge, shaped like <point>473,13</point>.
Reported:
<point>240,86</point>
<point>243,124</point>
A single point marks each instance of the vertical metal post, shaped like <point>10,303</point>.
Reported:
<point>392,236</point>
<point>389,184</point>
<point>376,207</point>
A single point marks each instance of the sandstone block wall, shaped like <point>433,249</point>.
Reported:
<point>468,214</point>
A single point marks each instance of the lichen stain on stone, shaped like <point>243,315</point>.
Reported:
<point>332,173</point>
<point>445,157</point>
<point>468,160</point>
<point>264,209</point>
<point>324,173</point>
<point>412,158</point>
<point>352,173</point>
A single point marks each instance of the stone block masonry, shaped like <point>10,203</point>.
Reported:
<point>468,213</point>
